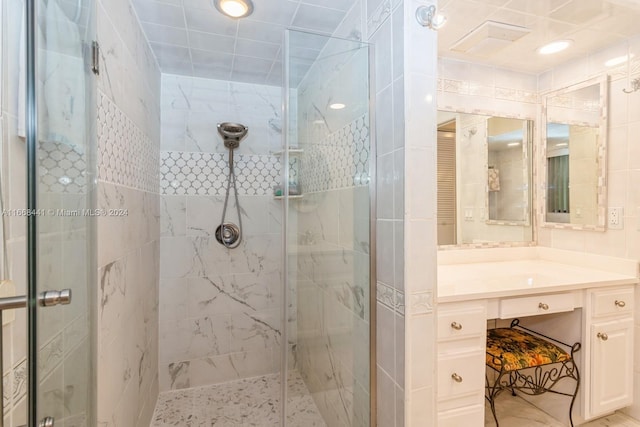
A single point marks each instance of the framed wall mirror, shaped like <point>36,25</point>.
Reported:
<point>573,161</point>
<point>484,176</point>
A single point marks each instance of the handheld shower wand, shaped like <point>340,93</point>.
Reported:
<point>227,233</point>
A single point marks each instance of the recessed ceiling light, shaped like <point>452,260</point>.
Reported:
<point>234,8</point>
<point>618,60</point>
<point>337,106</point>
<point>513,144</point>
<point>554,47</point>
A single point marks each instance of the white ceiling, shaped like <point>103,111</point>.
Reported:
<point>190,37</point>
<point>592,24</point>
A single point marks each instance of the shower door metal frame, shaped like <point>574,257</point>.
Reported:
<point>373,218</point>
<point>31,127</point>
<point>373,385</point>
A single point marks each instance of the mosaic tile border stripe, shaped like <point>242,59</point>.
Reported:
<point>126,155</point>
<point>63,168</point>
<point>340,160</point>
<point>205,174</point>
<point>463,87</point>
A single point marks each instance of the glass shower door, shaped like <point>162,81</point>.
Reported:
<point>329,256</point>
<point>60,119</point>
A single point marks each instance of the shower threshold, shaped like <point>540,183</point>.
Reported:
<point>246,402</point>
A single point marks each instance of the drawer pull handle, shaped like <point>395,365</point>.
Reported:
<point>455,325</point>
<point>457,378</point>
<point>543,306</point>
<point>620,303</point>
<point>602,336</point>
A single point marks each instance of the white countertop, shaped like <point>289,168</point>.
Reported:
<point>458,281</point>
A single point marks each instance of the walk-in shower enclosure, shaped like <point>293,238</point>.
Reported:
<point>329,245</point>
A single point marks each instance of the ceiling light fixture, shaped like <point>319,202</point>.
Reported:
<point>234,8</point>
<point>427,17</point>
<point>618,60</point>
<point>562,144</point>
<point>337,106</point>
<point>513,144</point>
<point>554,47</point>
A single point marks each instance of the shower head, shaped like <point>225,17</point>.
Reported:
<point>232,134</point>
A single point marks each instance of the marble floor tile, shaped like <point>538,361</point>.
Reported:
<point>516,412</point>
<point>242,403</point>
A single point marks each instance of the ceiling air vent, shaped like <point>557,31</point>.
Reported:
<point>488,38</point>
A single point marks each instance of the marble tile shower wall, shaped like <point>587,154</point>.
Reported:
<point>128,128</point>
<point>219,308</point>
<point>332,276</point>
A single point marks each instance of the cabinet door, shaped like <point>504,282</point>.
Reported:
<point>611,365</point>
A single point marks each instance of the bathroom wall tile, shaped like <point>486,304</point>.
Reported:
<point>233,294</point>
<point>385,126</point>
<point>420,191</point>
<point>634,150</point>
<point>382,41</point>
<point>173,212</point>
<point>399,260</point>
<point>618,104</point>
<point>384,255</point>
<point>386,415</point>
<point>398,113</point>
<point>397,41</point>
<point>618,149</point>
<point>352,25</point>
<point>385,186</point>
<point>385,342</point>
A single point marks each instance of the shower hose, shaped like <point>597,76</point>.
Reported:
<point>226,231</point>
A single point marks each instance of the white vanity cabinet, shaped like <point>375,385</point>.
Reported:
<point>609,318</point>
<point>462,332</point>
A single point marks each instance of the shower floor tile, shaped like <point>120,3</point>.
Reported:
<point>242,403</point>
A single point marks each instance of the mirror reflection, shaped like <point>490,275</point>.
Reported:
<point>574,167</point>
<point>483,179</point>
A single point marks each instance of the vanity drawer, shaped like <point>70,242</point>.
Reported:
<point>536,305</point>
<point>461,323</point>
<point>469,416</point>
<point>459,375</point>
<point>614,301</point>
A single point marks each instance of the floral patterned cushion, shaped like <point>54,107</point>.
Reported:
<point>518,350</point>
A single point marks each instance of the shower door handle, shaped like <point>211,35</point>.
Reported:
<point>45,422</point>
<point>53,298</point>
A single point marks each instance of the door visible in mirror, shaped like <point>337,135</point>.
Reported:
<point>484,177</point>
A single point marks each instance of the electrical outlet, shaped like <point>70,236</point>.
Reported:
<point>616,218</point>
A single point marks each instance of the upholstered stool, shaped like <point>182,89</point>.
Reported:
<point>519,354</point>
